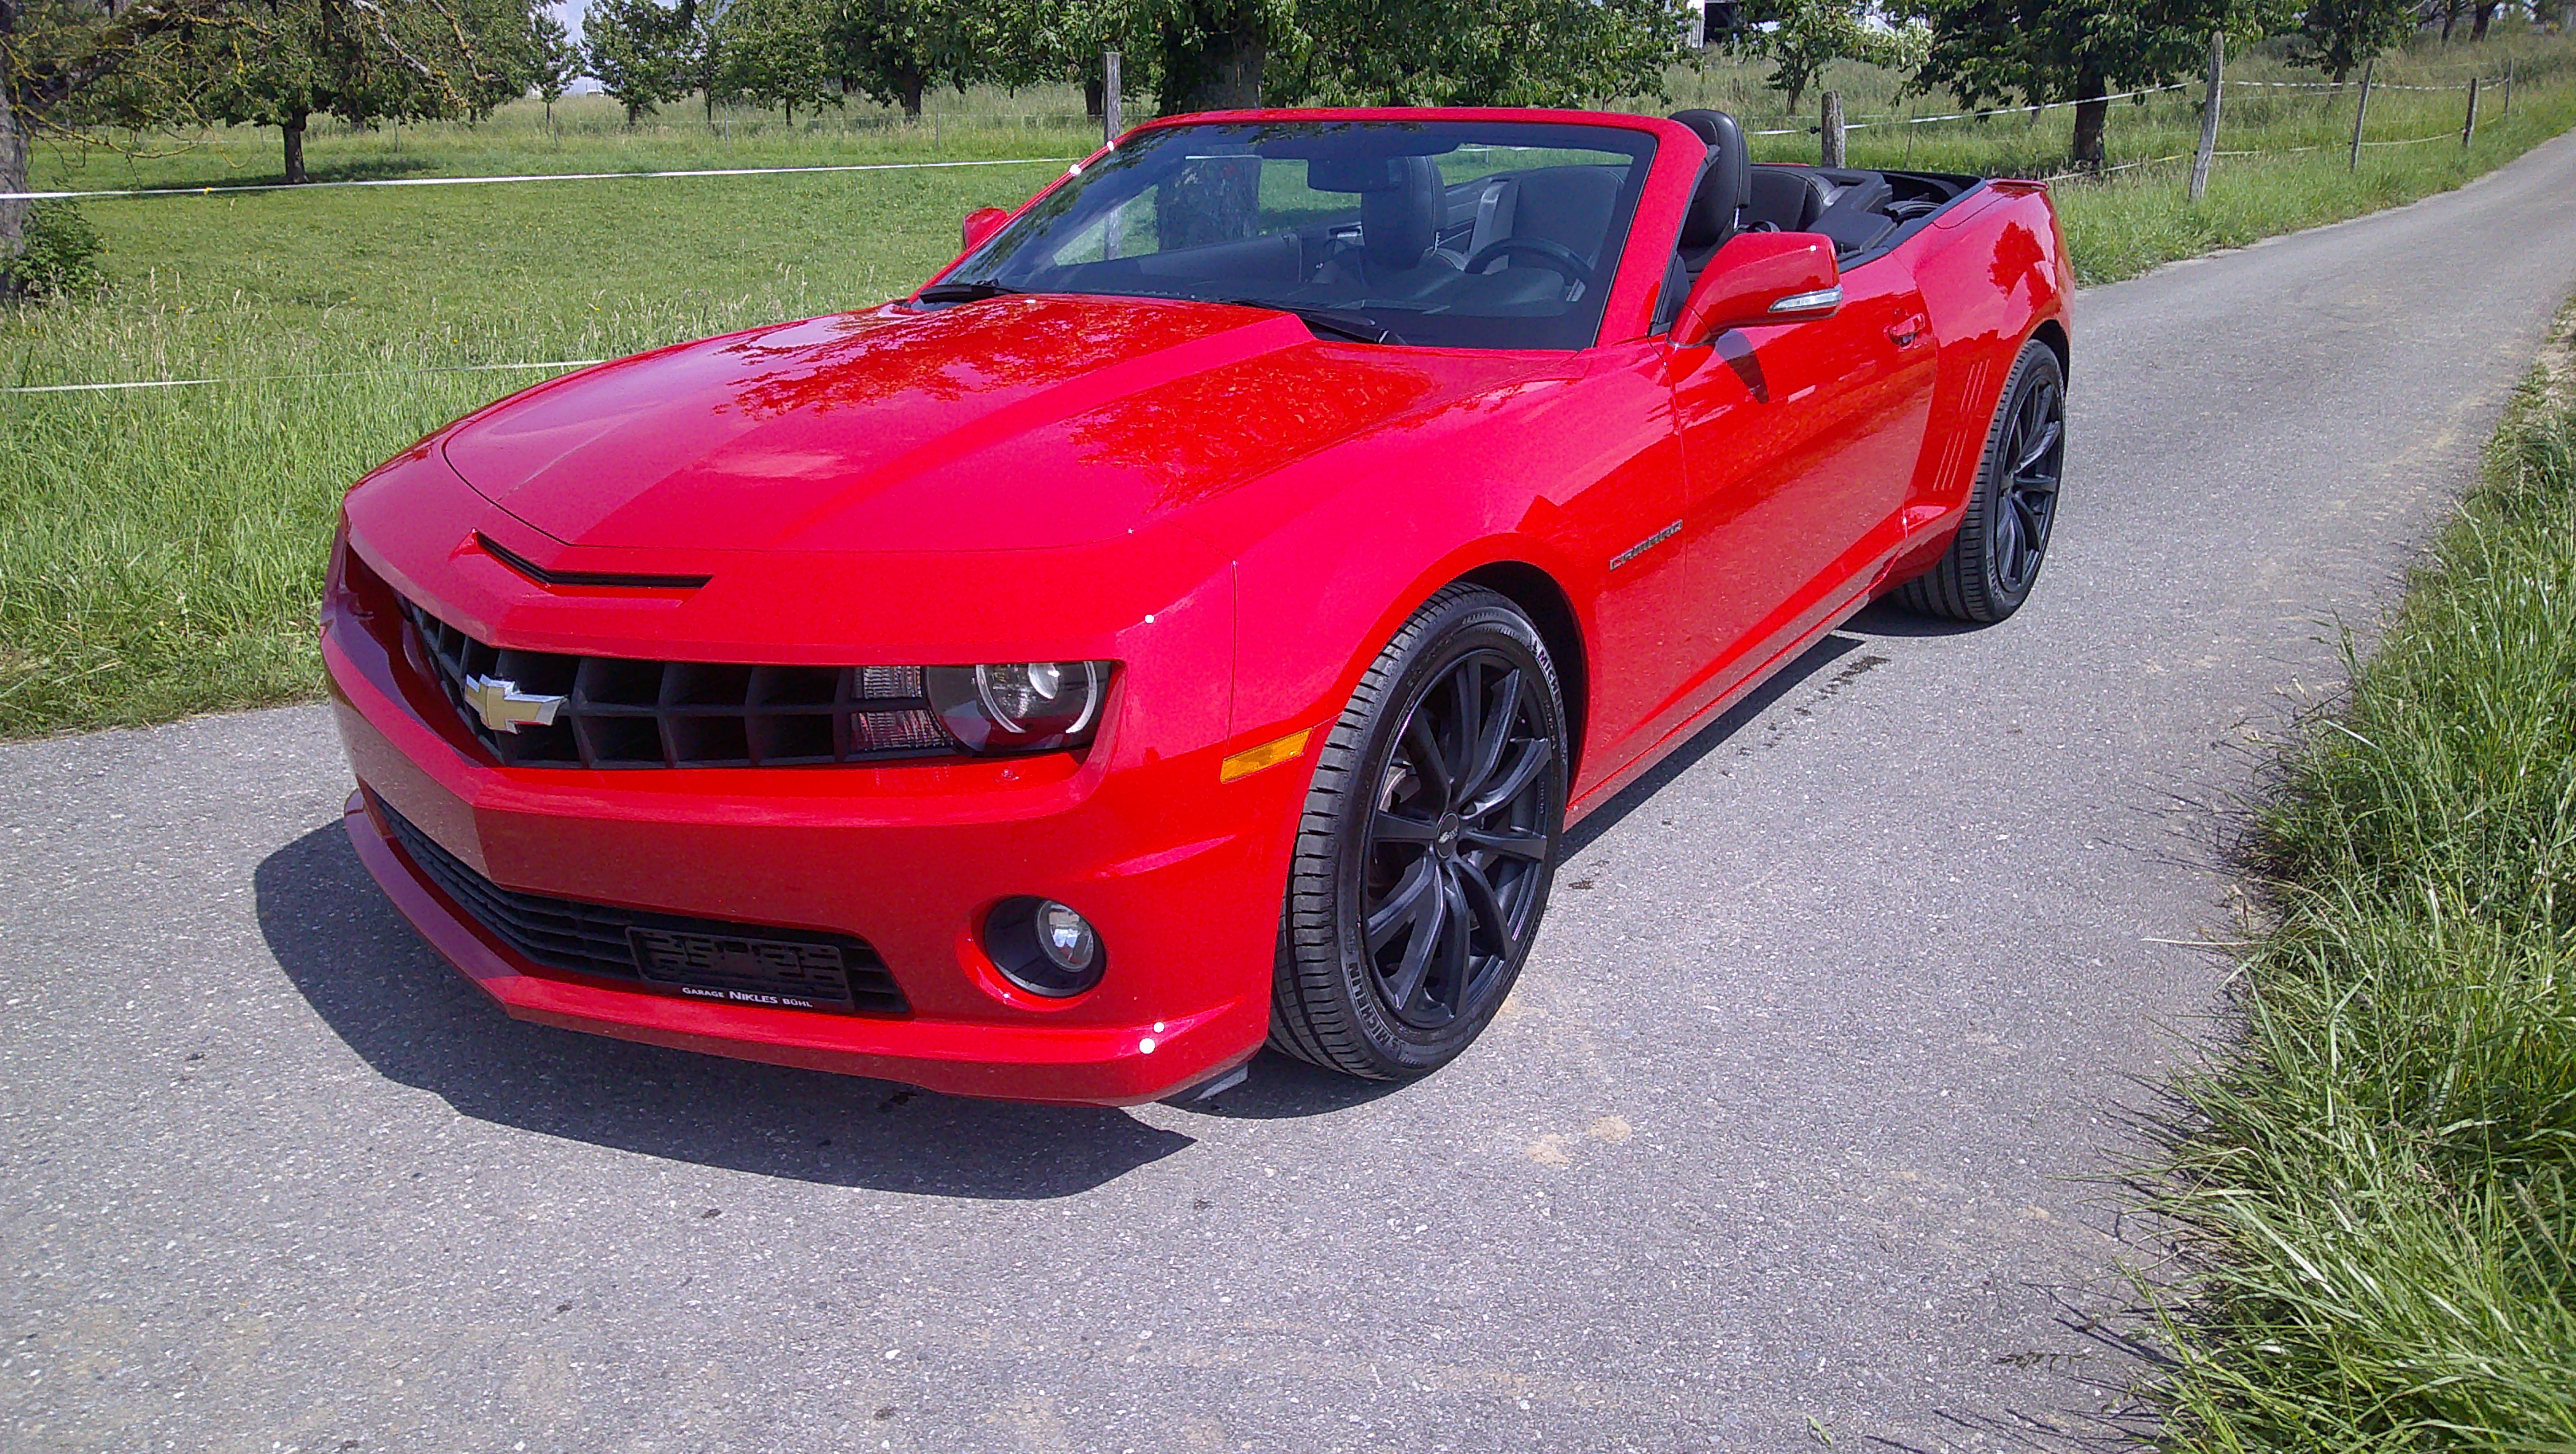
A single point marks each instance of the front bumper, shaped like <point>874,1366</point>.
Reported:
<point>1182,875</point>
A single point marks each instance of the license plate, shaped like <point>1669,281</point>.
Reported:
<point>788,974</point>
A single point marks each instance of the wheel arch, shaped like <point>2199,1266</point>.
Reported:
<point>2052,331</point>
<point>1545,602</point>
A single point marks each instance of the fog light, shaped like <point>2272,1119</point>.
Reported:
<point>1044,947</point>
<point>1066,937</point>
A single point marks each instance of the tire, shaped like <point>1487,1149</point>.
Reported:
<point>1455,892</point>
<point>1993,560</point>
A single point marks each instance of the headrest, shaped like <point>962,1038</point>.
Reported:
<point>1725,184</point>
<point>1399,222</point>
<point>1361,174</point>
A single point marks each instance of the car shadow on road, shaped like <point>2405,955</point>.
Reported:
<point>417,1022</point>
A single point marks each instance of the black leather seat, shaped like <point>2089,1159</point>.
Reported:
<point>1717,209</point>
<point>1725,186</point>
<point>1787,199</point>
<point>1857,217</point>
<point>1401,205</point>
<point>1848,206</point>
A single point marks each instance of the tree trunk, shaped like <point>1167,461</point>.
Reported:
<point>1215,63</point>
<point>2450,17</point>
<point>2091,112</point>
<point>909,86</point>
<point>294,130</point>
<point>13,178</point>
<point>2485,16</point>
<point>1092,98</point>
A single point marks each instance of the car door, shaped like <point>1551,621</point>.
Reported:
<point>1799,444</point>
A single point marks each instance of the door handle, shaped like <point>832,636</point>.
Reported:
<point>1909,332</point>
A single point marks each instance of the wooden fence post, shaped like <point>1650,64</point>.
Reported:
<point>1109,83</point>
<point>1832,129</point>
<point>2508,92</point>
<point>2469,128</point>
<point>2359,113</point>
<point>2209,116</point>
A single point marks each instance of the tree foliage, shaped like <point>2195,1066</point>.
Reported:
<point>554,62</point>
<point>897,50</point>
<point>644,53</point>
<point>2336,36</point>
<point>363,61</point>
<point>1805,36</point>
<point>1484,53</point>
<point>2034,52</point>
<point>776,53</point>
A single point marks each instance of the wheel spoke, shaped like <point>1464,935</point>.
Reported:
<point>1510,842</point>
<point>1415,967</point>
<point>1429,767</point>
<point>1466,723</point>
<point>1456,962</point>
<point>1524,771</point>
<point>1405,905</point>
<point>2034,523</point>
<point>1496,736</point>
<point>1493,927</point>
<point>2036,448</point>
<point>1393,827</point>
<point>2007,535</point>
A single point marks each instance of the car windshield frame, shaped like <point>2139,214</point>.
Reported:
<point>1364,227</point>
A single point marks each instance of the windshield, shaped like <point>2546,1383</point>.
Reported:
<point>1473,234</point>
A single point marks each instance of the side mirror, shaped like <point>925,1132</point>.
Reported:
<point>981,223</point>
<point>1761,277</point>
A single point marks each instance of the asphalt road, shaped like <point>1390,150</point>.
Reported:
<point>1794,1127</point>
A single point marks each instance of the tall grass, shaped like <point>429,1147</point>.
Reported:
<point>159,551</point>
<point>2378,1198</point>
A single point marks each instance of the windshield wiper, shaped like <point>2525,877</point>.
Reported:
<point>1340,322</point>
<point>963,292</point>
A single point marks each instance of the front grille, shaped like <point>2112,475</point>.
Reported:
<point>665,952</point>
<point>621,712</point>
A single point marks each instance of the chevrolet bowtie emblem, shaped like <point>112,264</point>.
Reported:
<point>504,708</point>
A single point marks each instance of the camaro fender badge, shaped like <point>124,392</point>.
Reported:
<point>504,708</point>
<point>1647,544</point>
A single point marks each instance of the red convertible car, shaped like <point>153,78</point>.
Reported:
<point>1193,619</point>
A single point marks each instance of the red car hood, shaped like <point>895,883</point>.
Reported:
<point>1014,423</point>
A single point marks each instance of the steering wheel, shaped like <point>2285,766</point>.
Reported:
<point>1556,255</point>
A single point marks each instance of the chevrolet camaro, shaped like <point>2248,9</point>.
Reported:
<point>1192,620</point>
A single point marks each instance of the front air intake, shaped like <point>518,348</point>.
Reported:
<point>540,709</point>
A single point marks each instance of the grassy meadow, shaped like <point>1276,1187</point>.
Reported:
<point>2377,1189</point>
<point>160,549</point>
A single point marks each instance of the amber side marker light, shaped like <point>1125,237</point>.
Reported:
<point>1269,754</point>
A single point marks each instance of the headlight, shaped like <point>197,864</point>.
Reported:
<point>1019,706</point>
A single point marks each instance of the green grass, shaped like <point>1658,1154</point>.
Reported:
<point>160,551</point>
<point>2377,1197</point>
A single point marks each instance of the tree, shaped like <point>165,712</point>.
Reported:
<point>777,53</point>
<point>896,50</point>
<point>67,61</point>
<point>281,62</point>
<point>2336,36</point>
<point>1489,53</point>
<point>554,63</point>
<point>2035,52</point>
<point>643,52</point>
<point>1805,36</point>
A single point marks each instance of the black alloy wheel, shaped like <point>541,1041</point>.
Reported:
<point>1994,559</point>
<point>1428,843</point>
<point>2035,455</point>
